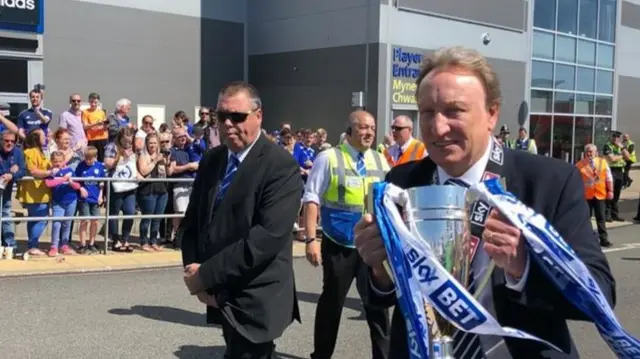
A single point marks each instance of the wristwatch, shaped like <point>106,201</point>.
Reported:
<point>308,240</point>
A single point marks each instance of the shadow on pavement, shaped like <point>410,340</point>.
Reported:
<point>217,352</point>
<point>165,314</point>
<point>351,303</point>
<point>635,259</point>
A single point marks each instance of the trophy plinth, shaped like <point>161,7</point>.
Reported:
<point>440,216</point>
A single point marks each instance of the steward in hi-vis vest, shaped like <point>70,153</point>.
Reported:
<point>629,158</point>
<point>598,187</point>
<point>612,151</point>
<point>337,189</point>
<point>406,148</point>
<point>525,143</point>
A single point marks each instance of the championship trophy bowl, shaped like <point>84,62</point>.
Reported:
<point>440,215</point>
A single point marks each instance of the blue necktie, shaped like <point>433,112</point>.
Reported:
<point>362,169</point>
<point>232,168</point>
<point>466,345</point>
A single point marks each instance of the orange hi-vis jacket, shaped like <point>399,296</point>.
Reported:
<point>415,151</point>
<point>596,178</point>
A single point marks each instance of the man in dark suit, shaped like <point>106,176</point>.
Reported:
<point>236,234</point>
<point>459,101</point>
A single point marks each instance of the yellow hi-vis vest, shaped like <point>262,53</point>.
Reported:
<point>343,202</point>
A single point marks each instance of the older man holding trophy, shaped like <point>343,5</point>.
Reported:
<point>459,99</point>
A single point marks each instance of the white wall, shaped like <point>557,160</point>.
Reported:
<point>628,51</point>
<point>226,10</point>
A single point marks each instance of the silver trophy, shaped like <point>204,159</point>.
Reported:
<point>441,216</point>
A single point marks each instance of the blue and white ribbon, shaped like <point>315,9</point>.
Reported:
<point>562,266</point>
<point>420,276</point>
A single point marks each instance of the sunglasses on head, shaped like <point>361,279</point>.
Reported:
<point>235,117</point>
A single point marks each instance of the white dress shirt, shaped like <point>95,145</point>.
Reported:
<point>243,153</point>
<point>474,175</point>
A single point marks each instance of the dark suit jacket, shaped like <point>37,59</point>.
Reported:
<point>554,189</point>
<point>244,244</point>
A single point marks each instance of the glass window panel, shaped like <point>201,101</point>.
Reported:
<point>543,45</point>
<point>562,137</point>
<point>541,132</point>
<point>607,21</point>
<point>565,78</point>
<point>586,79</point>
<point>563,102</point>
<point>586,52</point>
<point>568,21</point>
<point>602,131</point>
<point>588,22</point>
<point>541,101</point>
<point>605,56</point>
<point>14,75</point>
<point>604,82</point>
<point>604,105</point>
<point>542,74</point>
<point>566,49</point>
<point>544,14</point>
<point>584,104</point>
<point>583,133</point>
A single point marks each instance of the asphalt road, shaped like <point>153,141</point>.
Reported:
<point>147,314</point>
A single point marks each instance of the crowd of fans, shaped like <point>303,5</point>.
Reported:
<point>49,167</point>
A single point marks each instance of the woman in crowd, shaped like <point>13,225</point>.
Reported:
<point>152,196</point>
<point>120,160</point>
<point>287,140</point>
<point>34,194</point>
<point>72,156</point>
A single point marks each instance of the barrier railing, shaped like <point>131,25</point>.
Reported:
<point>107,216</point>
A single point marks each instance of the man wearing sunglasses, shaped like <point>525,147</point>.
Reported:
<point>12,168</point>
<point>71,119</point>
<point>405,148</point>
<point>236,234</point>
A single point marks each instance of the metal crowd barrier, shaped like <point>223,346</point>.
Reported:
<point>107,216</point>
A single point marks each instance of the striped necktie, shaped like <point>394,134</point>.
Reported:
<point>232,168</point>
<point>361,167</point>
<point>466,345</point>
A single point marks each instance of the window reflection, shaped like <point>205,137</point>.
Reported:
<point>605,56</point>
<point>563,102</point>
<point>542,74</point>
<point>604,105</point>
<point>604,82</point>
<point>568,22</point>
<point>586,52</point>
<point>541,101</point>
<point>541,132</point>
<point>586,79</point>
<point>585,104</point>
<point>566,50</point>
<point>544,14</point>
<point>601,131</point>
<point>588,21</point>
<point>562,135</point>
<point>565,77</point>
<point>543,45</point>
<point>607,21</point>
<point>583,133</point>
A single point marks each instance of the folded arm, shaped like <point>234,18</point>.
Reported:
<point>573,223</point>
<point>271,232</point>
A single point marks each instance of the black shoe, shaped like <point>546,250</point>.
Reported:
<point>93,249</point>
<point>618,219</point>
<point>636,219</point>
<point>605,244</point>
<point>82,249</point>
<point>609,220</point>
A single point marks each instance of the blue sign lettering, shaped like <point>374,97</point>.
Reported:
<point>450,302</point>
<point>426,274</point>
<point>406,64</point>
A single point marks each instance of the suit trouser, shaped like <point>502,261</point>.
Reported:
<point>340,265</point>
<point>612,205</point>
<point>597,207</point>
<point>239,347</point>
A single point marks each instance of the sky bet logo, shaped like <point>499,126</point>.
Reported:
<point>426,274</point>
<point>450,302</point>
<point>19,4</point>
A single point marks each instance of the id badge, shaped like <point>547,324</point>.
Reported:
<point>354,182</point>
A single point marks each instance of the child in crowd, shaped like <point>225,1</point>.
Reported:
<point>63,190</point>
<point>198,146</point>
<point>89,205</point>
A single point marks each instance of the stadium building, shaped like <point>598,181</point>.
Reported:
<point>567,67</point>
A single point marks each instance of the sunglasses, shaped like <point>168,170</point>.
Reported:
<point>148,123</point>
<point>398,128</point>
<point>235,117</point>
<point>9,141</point>
<point>76,101</point>
<point>204,113</point>
<point>165,141</point>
